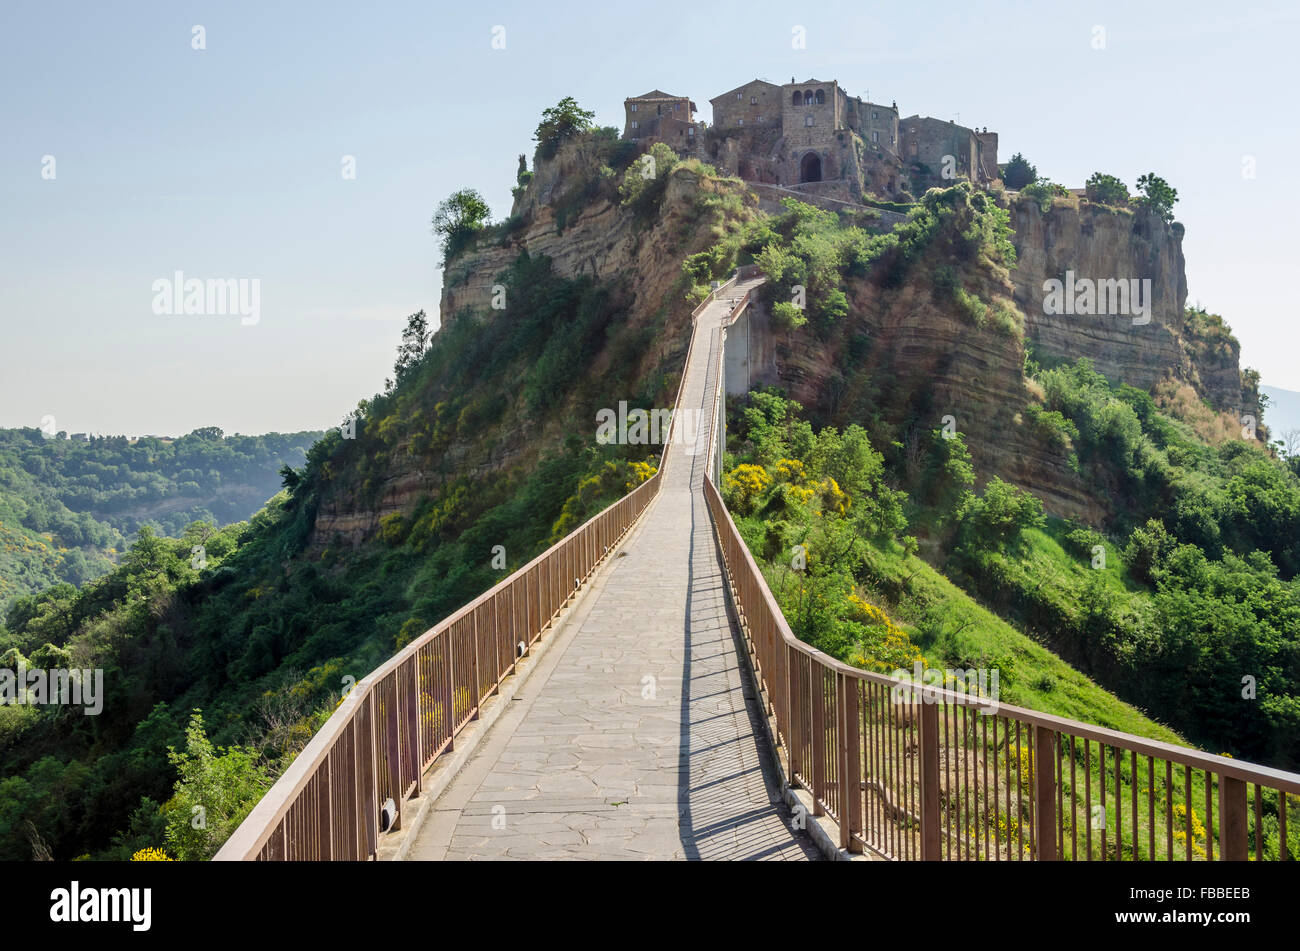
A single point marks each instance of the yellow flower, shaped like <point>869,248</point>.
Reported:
<point>151,855</point>
<point>789,470</point>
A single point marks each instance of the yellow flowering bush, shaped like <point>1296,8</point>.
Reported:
<point>743,485</point>
<point>884,645</point>
<point>834,499</point>
<point>789,470</point>
<point>1180,828</point>
<point>151,855</point>
<point>637,473</point>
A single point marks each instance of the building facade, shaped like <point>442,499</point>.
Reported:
<point>660,117</point>
<point>813,136</point>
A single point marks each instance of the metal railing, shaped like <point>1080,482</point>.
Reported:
<point>400,718</point>
<point>919,771</point>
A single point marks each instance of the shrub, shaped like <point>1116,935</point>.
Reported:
<point>1106,189</point>
<point>216,789</point>
<point>1019,172</point>
<point>999,517</point>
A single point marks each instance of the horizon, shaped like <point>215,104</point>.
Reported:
<point>227,163</point>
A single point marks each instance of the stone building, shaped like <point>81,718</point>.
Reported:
<point>814,137</point>
<point>941,147</point>
<point>660,117</point>
<point>757,103</point>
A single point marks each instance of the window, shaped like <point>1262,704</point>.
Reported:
<point>738,95</point>
<point>875,137</point>
<point>821,96</point>
<point>635,124</point>
<point>753,100</point>
<point>875,115</point>
<point>740,121</point>
<point>797,98</point>
<point>634,107</point>
<point>807,120</point>
<point>690,131</point>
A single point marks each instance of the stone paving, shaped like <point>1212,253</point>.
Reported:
<point>635,737</point>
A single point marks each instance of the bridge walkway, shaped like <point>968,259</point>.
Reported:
<point>637,736</point>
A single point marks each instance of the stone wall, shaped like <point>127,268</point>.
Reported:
<point>755,103</point>
<point>928,141</point>
<point>876,123</point>
<point>648,112</point>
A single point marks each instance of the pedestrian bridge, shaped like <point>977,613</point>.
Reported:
<point>635,693</point>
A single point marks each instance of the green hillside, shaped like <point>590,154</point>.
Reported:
<point>67,506</point>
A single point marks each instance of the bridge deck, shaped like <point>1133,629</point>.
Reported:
<point>635,737</point>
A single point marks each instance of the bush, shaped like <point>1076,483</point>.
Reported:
<point>1043,192</point>
<point>1019,172</point>
<point>217,788</point>
<point>998,518</point>
<point>1106,189</point>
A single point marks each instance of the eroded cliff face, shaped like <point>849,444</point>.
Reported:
<point>915,360</point>
<point>557,217</point>
<point>1097,243</point>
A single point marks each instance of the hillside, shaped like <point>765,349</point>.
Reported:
<point>68,506</point>
<point>485,438</point>
<point>482,451</point>
<point>1138,531</point>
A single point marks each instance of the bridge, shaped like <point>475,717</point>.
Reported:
<point>635,692</point>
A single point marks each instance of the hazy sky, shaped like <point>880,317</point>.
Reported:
<point>226,162</point>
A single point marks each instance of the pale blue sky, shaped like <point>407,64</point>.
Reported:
<point>225,162</point>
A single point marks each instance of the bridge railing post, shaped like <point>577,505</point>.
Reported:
<point>1233,845</point>
<point>850,771</point>
<point>1045,793</point>
<point>817,698</point>
<point>929,761</point>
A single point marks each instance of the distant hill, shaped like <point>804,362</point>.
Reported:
<point>1283,410</point>
<point>69,506</point>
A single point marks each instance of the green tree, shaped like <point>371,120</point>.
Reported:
<point>1018,172</point>
<point>215,790</point>
<point>458,221</point>
<point>1106,189</point>
<point>562,121</point>
<point>1158,195</point>
<point>415,342</point>
<point>997,519</point>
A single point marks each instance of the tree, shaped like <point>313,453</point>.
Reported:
<point>562,121</point>
<point>415,341</point>
<point>458,220</point>
<point>215,790</point>
<point>999,518</point>
<point>1106,189</point>
<point>1158,195</point>
<point>1019,172</point>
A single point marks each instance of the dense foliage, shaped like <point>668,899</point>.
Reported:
<point>1018,172</point>
<point>67,505</point>
<point>264,634</point>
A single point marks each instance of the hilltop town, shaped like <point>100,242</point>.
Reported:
<point>813,137</point>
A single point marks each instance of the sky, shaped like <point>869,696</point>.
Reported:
<point>228,162</point>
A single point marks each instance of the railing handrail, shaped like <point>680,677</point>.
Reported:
<point>746,578</point>
<point>1183,755</point>
<point>270,811</point>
